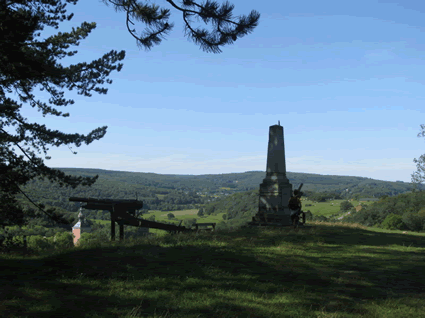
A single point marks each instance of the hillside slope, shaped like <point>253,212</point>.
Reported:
<point>327,270</point>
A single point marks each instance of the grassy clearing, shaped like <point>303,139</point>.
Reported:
<point>325,270</point>
<point>326,208</point>
<point>184,214</point>
<point>181,212</point>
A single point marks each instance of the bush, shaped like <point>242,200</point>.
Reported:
<point>86,238</point>
<point>63,240</point>
<point>209,210</point>
<point>201,212</point>
<point>345,206</point>
<point>170,216</point>
<point>308,216</point>
<point>320,218</point>
<point>103,234</point>
<point>413,221</point>
<point>8,237</point>
<point>39,243</point>
<point>130,233</point>
<point>188,222</point>
<point>421,213</point>
<point>393,222</point>
<point>221,226</point>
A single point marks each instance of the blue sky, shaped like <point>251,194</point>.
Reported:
<point>345,79</point>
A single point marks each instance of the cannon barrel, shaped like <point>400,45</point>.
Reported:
<point>102,201</point>
<point>108,204</point>
<point>299,188</point>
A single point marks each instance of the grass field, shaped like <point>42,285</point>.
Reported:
<point>181,212</point>
<point>325,270</point>
<point>325,208</point>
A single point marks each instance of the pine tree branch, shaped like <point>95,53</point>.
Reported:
<point>55,217</point>
<point>208,11</point>
<point>213,14</point>
<point>23,151</point>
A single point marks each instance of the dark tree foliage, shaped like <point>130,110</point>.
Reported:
<point>225,29</point>
<point>237,206</point>
<point>28,62</point>
<point>346,205</point>
<point>201,212</point>
<point>413,221</point>
<point>393,222</point>
<point>322,196</point>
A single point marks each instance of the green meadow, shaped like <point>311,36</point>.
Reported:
<point>323,270</point>
<point>326,208</point>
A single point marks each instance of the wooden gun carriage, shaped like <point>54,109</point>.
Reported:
<point>123,212</point>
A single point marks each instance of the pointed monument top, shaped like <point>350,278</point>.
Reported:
<point>80,215</point>
<point>82,222</point>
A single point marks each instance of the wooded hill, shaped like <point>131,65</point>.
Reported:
<point>174,192</point>
<point>168,192</point>
<point>163,183</point>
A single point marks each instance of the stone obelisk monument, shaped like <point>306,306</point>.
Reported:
<point>275,190</point>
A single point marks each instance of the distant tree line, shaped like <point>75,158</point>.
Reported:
<point>408,207</point>
<point>323,196</point>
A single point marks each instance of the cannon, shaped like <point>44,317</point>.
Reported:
<point>123,212</point>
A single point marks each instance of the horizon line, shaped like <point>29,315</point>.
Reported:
<point>264,171</point>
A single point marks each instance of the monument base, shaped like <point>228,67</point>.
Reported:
<point>272,221</point>
<point>283,219</point>
<point>275,192</point>
<point>275,225</point>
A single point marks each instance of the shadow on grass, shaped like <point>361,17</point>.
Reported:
<point>143,279</point>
